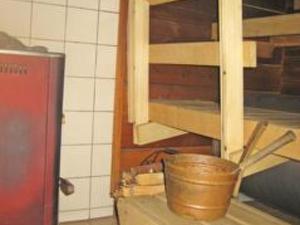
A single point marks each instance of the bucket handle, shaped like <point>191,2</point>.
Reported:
<point>285,139</point>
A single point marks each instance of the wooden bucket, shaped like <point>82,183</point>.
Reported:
<point>199,186</point>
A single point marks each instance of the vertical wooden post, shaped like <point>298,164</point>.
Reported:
<point>138,61</point>
<point>231,75</point>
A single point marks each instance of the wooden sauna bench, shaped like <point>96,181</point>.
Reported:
<point>154,211</point>
<point>203,117</point>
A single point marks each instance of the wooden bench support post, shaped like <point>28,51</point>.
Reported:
<point>138,61</point>
<point>231,75</point>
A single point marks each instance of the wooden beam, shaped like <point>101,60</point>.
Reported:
<point>231,76</point>
<point>203,53</point>
<point>138,61</point>
<point>267,26</point>
<point>152,132</point>
<point>159,2</point>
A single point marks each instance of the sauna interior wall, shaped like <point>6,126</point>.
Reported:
<point>189,21</point>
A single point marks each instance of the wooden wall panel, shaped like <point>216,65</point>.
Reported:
<point>291,76</point>
<point>264,78</point>
<point>182,21</point>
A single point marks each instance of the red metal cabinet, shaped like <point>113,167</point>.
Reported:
<point>30,112</point>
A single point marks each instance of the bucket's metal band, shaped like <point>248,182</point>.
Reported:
<point>215,183</point>
<point>198,207</point>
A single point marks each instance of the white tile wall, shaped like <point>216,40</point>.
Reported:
<point>77,128</point>
<point>105,62</point>
<point>71,155</point>
<point>100,196</point>
<point>101,160</point>
<point>80,59</point>
<point>75,215</point>
<point>103,128</point>
<point>79,94</point>
<point>102,212</point>
<point>105,93</point>
<point>15,25</point>
<point>110,5</point>
<point>81,197</point>
<point>108,26</point>
<point>90,4</point>
<point>58,2</point>
<point>86,31</point>
<point>48,21</point>
<point>82,25</point>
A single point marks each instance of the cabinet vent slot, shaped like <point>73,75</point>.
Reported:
<point>13,69</point>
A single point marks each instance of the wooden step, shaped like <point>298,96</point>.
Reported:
<point>203,118</point>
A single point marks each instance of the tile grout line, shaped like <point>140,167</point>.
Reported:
<point>85,144</point>
<point>94,105</point>
<point>71,6</point>
<point>88,177</point>
<point>88,209</point>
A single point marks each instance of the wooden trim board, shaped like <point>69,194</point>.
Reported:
<point>200,53</point>
<point>267,26</point>
<point>152,132</point>
<point>204,118</point>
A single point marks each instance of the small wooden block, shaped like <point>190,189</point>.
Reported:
<point>147,179</point>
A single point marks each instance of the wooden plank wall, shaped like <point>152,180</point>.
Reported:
<point>183,21</point>
<point>190,20</point>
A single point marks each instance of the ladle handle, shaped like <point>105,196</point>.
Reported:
<point>285,139</point>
